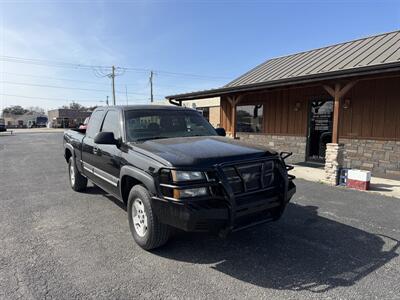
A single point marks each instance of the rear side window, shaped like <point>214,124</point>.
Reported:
<point>94,123</point>
<point>111,123</point>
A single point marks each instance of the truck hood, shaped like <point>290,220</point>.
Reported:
<point>200,151</point>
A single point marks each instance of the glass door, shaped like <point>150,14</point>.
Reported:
<point>319,129</point>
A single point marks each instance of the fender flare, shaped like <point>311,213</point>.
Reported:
<point>70,148</point>
<point>139,175</point>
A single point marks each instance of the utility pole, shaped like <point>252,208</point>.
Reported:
<point>107,101</point>
<point>113,83</point>
<point>105,72</point>
<point>151,86</point>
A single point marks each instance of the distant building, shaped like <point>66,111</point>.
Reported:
<point>209,107</point>
<point>67,118</point>
<point>28,119</point>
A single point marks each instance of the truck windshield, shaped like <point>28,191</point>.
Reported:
<point>151,124</point>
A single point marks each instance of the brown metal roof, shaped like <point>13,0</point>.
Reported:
<point>371,53</point>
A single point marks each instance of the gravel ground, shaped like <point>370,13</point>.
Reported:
<point>332,243</point>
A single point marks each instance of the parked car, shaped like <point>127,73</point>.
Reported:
<point>2,125</point>
<point>173,169</point>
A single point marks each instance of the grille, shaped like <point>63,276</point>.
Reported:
<point>250,177</point>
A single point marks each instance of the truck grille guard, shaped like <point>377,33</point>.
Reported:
<point>231,197</point>
<point>282,168</point>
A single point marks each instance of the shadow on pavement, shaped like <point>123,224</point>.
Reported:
<point>303,251</point>
<point>382,187</point>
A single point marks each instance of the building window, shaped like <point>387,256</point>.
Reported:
<point>249,118</point>
<point>205,111</point>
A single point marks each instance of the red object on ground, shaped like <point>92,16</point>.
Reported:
<point>358,179</point>
<point>357,184</point>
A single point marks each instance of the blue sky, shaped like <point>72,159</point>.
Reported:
<point>219,40</point>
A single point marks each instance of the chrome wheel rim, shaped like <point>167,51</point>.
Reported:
<point>72,174</point>
<point>139,217</point>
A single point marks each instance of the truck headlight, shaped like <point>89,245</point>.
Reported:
<point>187,175</point>
<point>189,193</point>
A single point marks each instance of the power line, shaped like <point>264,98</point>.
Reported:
<point>114,72</point>
<point>89,82</point>
<point>46,98</point>
<point>49,63</point>
<point>42,62</point>
<point>52,78</point>
<point>168,73</point>
<point>68,88</point>
<point>58,99</point>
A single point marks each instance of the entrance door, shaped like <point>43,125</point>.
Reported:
<point>319,129</point>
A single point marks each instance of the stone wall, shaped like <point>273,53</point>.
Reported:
<point>295,144</point>
<point>333,162</point>
<point>382,158</point>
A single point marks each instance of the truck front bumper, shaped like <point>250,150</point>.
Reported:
<point>205,216</point>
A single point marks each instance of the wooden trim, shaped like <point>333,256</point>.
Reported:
<point>346,88</point>
<point>268,133</point>
<point>369,138</point>
<point>330,90</point>
<point>234,100</point>
<point>337,93</point>
<point>336,112</point>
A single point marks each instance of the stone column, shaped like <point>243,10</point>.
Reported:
<point>334,158</point>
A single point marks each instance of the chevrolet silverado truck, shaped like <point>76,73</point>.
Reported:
<point>173,169</point>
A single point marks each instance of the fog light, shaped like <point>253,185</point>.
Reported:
<point>189,193</point>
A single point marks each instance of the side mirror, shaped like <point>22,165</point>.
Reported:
<point>105,138</point>
<point>221,131</point>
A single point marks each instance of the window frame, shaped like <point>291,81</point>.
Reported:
<point>120,136</point>
<point>101,111</point>
<point>262,129</point>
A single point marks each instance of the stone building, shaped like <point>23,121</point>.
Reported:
<point>337,106</point>
<point>67,118</point>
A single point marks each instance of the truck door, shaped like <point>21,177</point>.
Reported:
<point>107,164</point>
<point>90,156</point>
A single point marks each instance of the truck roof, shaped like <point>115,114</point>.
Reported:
<point>148,107</point>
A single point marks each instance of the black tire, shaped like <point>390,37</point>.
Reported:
<point>156,233</point>
<point>80,182</point>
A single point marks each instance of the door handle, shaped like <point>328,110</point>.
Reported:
<point>95,150</point>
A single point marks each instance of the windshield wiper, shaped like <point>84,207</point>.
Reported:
<point>151,138</point>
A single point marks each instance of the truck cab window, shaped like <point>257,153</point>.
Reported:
<point>111,123</point>
<point>94,123</point>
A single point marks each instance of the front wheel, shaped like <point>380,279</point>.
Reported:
<point>145,227</point>
<point>77,181</point>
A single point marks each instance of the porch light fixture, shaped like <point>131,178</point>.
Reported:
<point>347,103</point>
<point>297,106</point>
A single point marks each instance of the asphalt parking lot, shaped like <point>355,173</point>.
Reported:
<point>55,243</point>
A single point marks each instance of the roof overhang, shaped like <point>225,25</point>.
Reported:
<point>344,74</point>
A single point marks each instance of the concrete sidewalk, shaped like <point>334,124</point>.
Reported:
<point>32,130</point>
<point>387,187</point>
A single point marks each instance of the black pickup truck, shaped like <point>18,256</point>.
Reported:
<point>173,169</point>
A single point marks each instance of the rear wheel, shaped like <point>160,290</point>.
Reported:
<point>145,227</point>
<point>77,181</point>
